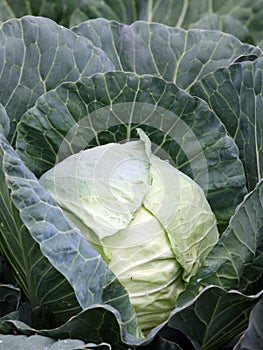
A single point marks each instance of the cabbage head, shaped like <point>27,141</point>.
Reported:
<point>150,222</point>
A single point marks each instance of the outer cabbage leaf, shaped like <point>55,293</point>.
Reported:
<point>71,118</point>
<point>236,95</point>
<point>36,55</point>
<point>177,55</point>
<point>50,257</point>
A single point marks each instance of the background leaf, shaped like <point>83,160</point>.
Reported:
<point>225,23</point>
<point>171,339</point>
<point>9,298</point>
<point>5,271</point>
<point>125,11</point>
<point>141,47</point>
<point>58,10</point>
<point>247,15</point>
<point>175,13</point>
<point>236,95</point>
<point>182,126</point>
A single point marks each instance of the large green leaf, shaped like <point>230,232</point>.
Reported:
<point>39,241</point>
<point>22,342</point>
<point>236,262</point>
<point>189,133</point>
<point>236,95</point>
<point>253,336</point>
<point>46,290</point>
<point>175,13</point>
<point>36,54</point>
<point>174,54</point>
<point>214,317</point>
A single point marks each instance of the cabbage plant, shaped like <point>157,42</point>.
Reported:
<point>72,102</point>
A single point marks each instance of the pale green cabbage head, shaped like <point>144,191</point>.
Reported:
<point>150,222</point>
